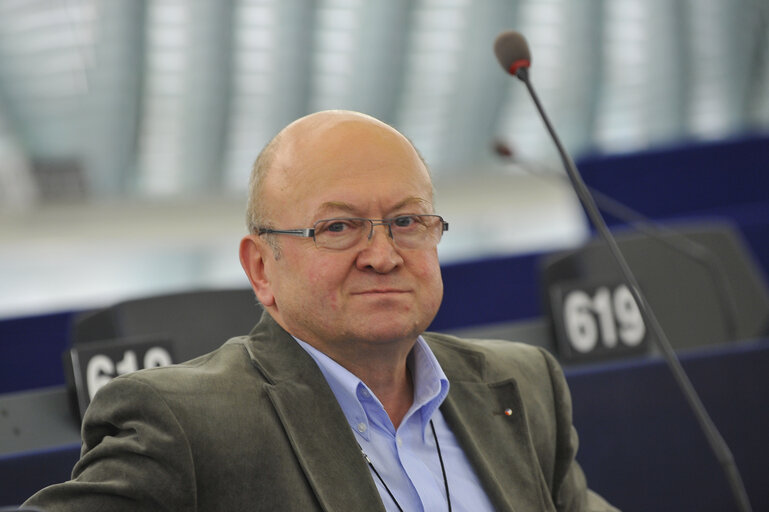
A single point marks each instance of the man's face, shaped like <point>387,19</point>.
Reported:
<point>376,292</point>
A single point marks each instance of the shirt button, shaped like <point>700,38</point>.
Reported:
<point>399,440</point>
<point>361,427</point>
<point>365,394</point>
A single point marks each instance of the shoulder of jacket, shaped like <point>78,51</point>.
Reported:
<point>221,363</point>
<point>487,347</point>
<point>500,359</point>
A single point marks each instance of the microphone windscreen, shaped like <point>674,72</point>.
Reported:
<point>511,48</point>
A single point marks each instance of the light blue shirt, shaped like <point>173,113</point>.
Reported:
<point>407,458</point>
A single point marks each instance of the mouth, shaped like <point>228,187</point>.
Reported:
<point>381,291</point>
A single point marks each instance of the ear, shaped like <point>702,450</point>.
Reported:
<point>253,252</point>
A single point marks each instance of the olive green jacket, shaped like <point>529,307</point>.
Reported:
<point>254,426</point>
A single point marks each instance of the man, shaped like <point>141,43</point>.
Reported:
<point>337,400</point>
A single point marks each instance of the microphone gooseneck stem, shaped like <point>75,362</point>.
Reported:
<point>714,438</point>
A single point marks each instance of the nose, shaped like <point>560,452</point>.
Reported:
<point>379,253</point>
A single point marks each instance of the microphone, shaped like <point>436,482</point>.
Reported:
<point>513,54</point>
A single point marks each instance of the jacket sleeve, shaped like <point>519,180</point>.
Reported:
<point>569,488</point>
<point>135,457</point>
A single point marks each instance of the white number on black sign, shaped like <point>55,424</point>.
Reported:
<point>101,369</point>
<point>608,316</point>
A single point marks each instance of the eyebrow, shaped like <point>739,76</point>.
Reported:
<point>352,210</point>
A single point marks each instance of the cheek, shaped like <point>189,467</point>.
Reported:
<point>437,290</point>
<point>325,281</point>
<point>429,273</point>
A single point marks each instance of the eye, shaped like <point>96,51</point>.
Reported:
<point>407,221</point>
<point>336,226</point>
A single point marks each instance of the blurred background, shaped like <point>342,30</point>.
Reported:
<point>128,127</point>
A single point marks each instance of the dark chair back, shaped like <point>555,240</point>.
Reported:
<point>700,280</point>
<point>196,322</point>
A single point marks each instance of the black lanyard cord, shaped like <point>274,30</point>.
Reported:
<point>443,471</point>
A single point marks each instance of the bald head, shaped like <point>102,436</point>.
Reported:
<point>310,142</point>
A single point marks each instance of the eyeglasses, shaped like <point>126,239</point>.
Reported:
<point>407,231</point>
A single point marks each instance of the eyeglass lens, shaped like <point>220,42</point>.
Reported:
<point>408,231</point>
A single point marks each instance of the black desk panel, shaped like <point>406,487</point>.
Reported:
<point>640,445</point>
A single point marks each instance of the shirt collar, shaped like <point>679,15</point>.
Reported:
<point>430,386</point>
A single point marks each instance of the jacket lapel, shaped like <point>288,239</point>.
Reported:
<point>314,423</point>
<point>328,452</point>
<point>497,444</point>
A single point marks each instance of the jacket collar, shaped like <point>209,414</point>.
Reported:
<point>313,420</point>
<point>489,421</point>
<point>331,458</point>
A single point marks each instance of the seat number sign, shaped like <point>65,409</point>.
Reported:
<point>95,364</point>
<point>595,321</point>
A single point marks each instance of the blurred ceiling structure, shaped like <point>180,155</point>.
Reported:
<point>128,126</point>
<point>126,98</point>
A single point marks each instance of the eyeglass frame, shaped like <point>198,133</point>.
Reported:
<point>310,232</point>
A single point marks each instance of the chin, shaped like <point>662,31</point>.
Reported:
<point>389,333</point>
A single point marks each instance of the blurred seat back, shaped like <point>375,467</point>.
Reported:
<point>701,281</point>
<point>196,322</point>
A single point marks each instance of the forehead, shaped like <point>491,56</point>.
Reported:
<point>354,163</point>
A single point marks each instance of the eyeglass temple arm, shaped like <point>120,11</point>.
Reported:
<point>306,232</point>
